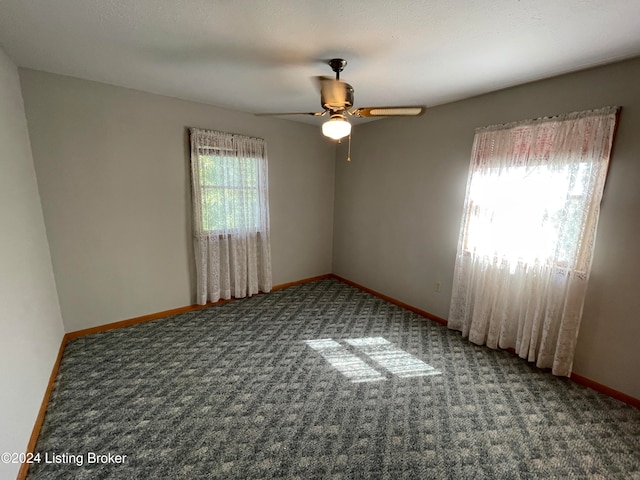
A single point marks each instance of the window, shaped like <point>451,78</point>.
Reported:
<point>230,192</point>
<point>528,214</point>
<point>230,183</point>
<point>528,232</point>
<point>230,215</point>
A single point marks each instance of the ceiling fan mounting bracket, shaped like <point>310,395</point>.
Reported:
<point>337,65</point>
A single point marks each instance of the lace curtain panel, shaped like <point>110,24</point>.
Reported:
<point>230,215</point>
<point>528,232</point>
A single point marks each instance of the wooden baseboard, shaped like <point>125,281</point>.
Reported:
<point>175,311</point>
<point>623,397</point>
<point>300,282</point>
<point>35,433</point>
<point>132,321</point>
<point>389,299</point>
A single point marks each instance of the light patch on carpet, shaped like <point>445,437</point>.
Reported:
<point>377,350</point>
<point>344,361</point>
<point>396,361</point>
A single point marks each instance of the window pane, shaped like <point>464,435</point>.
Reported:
<point>528,213</point>
<point>230,193</point>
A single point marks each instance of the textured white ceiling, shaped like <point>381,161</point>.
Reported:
<point>258,56</point>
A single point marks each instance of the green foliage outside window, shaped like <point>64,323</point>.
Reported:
<point>230,193</point>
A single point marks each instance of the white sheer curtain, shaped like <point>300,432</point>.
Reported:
<point>528,232</point>
<point>230,215</point>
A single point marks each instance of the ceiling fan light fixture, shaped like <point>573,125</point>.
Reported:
<point>336,127</point>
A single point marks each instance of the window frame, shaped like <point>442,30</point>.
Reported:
<point>245,173</point>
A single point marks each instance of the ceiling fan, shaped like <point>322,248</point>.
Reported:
<point>336,98</point>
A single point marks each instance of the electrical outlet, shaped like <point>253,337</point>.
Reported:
<point>437,286</point>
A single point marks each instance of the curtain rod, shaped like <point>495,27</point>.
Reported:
<point>200,131</point>
<point>561,117</point>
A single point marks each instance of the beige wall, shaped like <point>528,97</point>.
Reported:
<point>30,323</point>
<point>398,207</point>
<point>113,170</point>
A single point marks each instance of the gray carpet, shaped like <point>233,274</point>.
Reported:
<point>320,381</point>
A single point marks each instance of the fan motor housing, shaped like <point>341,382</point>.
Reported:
<point>335,106</point>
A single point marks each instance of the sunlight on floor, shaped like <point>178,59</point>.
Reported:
<point>396,361</point>
<point>347,363</point>
<point>352,363</point>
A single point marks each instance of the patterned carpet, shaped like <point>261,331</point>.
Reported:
<point>320,381</point>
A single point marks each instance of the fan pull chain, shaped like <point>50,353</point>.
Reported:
<point>349,153</point>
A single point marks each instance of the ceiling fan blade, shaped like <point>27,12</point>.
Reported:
<point>335,94</point>
<point>315,114</point>
<point>413,111</point>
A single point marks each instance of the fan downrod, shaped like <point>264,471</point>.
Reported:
<point>337,65</point>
